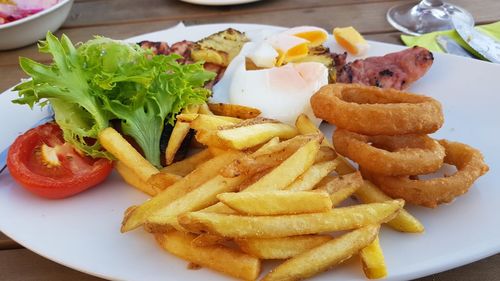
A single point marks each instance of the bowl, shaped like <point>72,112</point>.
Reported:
<point>30,29</point>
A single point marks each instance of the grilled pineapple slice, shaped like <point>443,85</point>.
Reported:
<point>219,48</point>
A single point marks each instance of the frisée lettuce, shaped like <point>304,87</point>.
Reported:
<point>102,80</point>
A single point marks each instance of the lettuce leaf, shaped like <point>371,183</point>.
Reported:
<point>104,80</point>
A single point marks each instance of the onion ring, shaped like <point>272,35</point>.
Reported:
<point>429,193</point>
<point>373,111</point>
<point>391,155</point>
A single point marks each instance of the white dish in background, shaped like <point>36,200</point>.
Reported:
<point>30,29</point>
<point>83,232</point>
<point>219,2</point>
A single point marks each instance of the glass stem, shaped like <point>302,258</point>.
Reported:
<point>430,3</point>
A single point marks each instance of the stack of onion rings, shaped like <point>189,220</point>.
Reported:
<point>384,131</point>
<point>375,111</point>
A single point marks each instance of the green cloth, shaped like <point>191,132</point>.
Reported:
<point>429,40</point>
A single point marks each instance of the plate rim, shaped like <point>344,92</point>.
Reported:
<point>482,253</point>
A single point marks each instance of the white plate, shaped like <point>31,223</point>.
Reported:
<point>219,2</point>
<point>82,232</point>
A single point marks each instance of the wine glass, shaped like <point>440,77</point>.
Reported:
<point>426,16</point>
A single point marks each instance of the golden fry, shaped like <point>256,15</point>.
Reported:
<point>204,109</point>
<point>277,202</point>
<point>180,131</point>
<point>284,174</point>
<point>341,187</point>
<point>252,135</point>
<point>135,216</point>
<point>237,226</point>
<point>130,177</point>
<point>206,239</point>
<point>114,142</point>
<point>326,153</point>
<point>212,122</point>
<point>190,117</point>
<point>281,248</point>
<point>187,165</point>
<point>210,139</point>
<point>291,144</point>
<point>373,260</point>
<point>163,180</point>
<point>404,221</point>
<point>305,126</point>
<point>325,256</point>
<point>197,199</point>
<point>281,176</point>
<point>312,176</point>
<point>217,257</point>
<point>234,110</point>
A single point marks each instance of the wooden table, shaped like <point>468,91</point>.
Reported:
<point>125,18</point>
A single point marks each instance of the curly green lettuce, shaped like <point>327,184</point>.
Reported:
<point>103,80</point>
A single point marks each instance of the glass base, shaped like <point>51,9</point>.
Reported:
<point>417,19</point>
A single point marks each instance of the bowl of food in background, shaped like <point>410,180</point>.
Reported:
<point>24,22</point>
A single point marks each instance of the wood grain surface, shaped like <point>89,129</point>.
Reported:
<point>125,18</point>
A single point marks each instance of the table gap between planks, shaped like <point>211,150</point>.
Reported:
<point>120,19</point>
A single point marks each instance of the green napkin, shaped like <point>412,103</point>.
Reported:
<point>429,40</point>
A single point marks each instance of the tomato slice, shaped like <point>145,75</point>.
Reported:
<point>40,161</point>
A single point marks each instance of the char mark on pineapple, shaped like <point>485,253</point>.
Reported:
<point>395,70</point>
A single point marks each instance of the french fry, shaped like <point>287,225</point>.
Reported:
<point>190,117</point>
<point>234,110</point>
<point>305,126</point>
<point>344,167</point>
<point>253,178</point>
<point>284,174</point>
<point>252,135</point>
<point>135,216</point>
<point>130,177</point>
<point>277,202</point>
<point>404,221</point>
<point>268,156</point>
<point>312,176</point>
<point>326,153</point>
<point>325,256</point>
<point>210,139</point>
<point>207,239</point>
<point>197,199</point>
<point>212,122</point>
<point>187,165</point>
<point>217,257</point>
<point>369,193</point>
<point>237,226</point>
<point>291,144</point>
<point>271,142</point>
<point>114,142</point>
<point>340,187</point>
<point>280,248</point>
<point>162,180</point>
<point>373,260</point>
<point>179,133</point>
<point>204,109</point>
<point>281,176</point>
<point>218,151</point>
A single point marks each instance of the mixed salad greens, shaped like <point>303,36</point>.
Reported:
<point>94,83</point>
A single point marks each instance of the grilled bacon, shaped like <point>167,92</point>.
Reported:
<point>396,70</point>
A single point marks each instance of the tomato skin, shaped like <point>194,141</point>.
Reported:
<point>77,173</point>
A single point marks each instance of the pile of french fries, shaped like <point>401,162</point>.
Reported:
<point>257,190</point>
